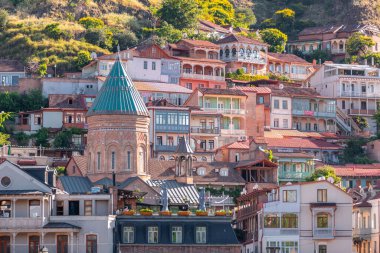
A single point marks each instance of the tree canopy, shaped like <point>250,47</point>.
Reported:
<point>284,19</point>
<point>358,44</point>
<point>324,171</point>
<point>355,153</point>
<point>275,38</point>
<point>221,12</point>
<point>181,14</point>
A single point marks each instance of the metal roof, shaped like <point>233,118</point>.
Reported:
<point>118,95</point>
<point>178,193</point>
<point>76,184</point>
<point>60,225</point>
<point>184,147</point>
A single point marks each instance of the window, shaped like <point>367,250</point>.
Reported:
<point>364,88</point>
<point>285,123</point>
<point>128,235</point>
<point>284,104</point>
<point>34,208</point>
<point>363,105</point>
<point>322,195</point>
<point>113,160</point>
<point>103,66</point>
<point>5,181</point>
<point>160,119</point>
<point>74,207</point>
<point>88,207</point>
<point>152,234</point>
<point>183,119</point>
<point>276,123</point>
<point>129,160</point>
<point>218,86</point>
<point>145,65</point>
<point>201,171</point>
<point>343,104</point>
<point>322,249</point>
<point>98,161</point>
<point>159,140</point>
<point>322,220</point>
<point>74,169</point>
<point>224,172</point>
<point>289,196</point>
<point>308,126</point>
<point>200,234</point>
<point>172,118</point>
<point>374,221</point>
<point>261,100</point>
<point>201,85</point>
<point>203,145</point>
<point>5,209</point>
<point>189,86</point>
<point>153,66</point>
<point>276,104</point>
<point>176,234</point>
<point>289,220</point>
<point>91,244</point>
<point>34,244</point>
<point>170,141</point>
<point>271,221</point>
<point>289,246</point>
<point>59,207</point>
<point>62,244</point>
<point>211,145</point>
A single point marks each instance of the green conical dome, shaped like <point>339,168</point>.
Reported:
<point>118,95</point>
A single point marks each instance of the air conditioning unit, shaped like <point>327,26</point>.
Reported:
<point>243,138</point>
<point>217,170</point>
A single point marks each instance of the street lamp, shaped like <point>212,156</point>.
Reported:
<point>44,250</point>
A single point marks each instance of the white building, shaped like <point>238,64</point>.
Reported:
<point>355,87</point>
<point>307,217</point>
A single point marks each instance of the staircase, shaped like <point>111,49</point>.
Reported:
<point>346,123</point>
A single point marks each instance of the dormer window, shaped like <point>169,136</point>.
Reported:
<point>70,101</point>
<point>223,172</point>
<point>201,171</point>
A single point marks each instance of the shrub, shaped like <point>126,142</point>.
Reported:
<point>91,22</point>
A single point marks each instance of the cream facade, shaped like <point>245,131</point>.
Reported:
<point>281,113</point>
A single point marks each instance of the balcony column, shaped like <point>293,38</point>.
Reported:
<point>14,242</point>
<point>71,242</point>
<point>42,239</point>
<point>13,208</point>
<point>43,210</point>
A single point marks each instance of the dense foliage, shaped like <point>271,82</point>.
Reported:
<point>275,38</point>
<point>355,153</point>
<point>326,172</point>
<point>15,102</point>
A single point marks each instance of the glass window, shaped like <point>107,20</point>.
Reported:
<point>276,104</point>
<point>145,65</point>
<point>200,234</point>
<point>152,234</point>
<point>153,66</point>
<point>285,123</point>
<point>88,207</point>
<point>62,244</point>
<point>322,220</point>
<point>211,145</point>
<point>322,249</point>
<point>322,195</point>
<point>129,160</point>
<point>34,208</point>
<point>289,220</point>
<point>160,119</point>
<point>98,161</point>
<point>74,207</point>
<point>5,209</point>
<point>289,196</point>
<point>34,244</point>
<point>176,234</point>
<point>91,244</point>
<point>261,100</point>
<point>128,235</point>
<point>276,123</point>
<point>113,160</point>
<point>59,207</point>
<point>289,247</point>
<point>183,119</point>
<point>284,104</point>
<point>172,118</point>
<point>271,221</point>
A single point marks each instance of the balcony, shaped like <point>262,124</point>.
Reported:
<point>293,175</point>
<point>361,112</point>
<point>172,128</point>
<point>244,58</point>
<point>338,51</point>
<point>204,130</point>
<point>323,233</point>
<point>289,231</point>
<point>165,148</point>
<point>224,110</point>
<point>203,77</point>
<point>298,76</point>
<point>246,211</point>
<point>20,223</point>
<point>221,201</point>
<point>359,94</point>
<point>324,114</point>
<point>239,132</point>
<point>362,232</point>
<point>81,125</point>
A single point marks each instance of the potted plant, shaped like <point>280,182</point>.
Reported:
<point>129,212</point>
<point>166,213</point>
<point>201,213</point>
<point>183,213</point>
<point>146,212</point>
<point>220,213</point>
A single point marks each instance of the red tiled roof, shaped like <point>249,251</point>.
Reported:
<point>358,170</point>
<point>230,92</point>
<point>81,162</point>
<point>210,26</point>
<point>199,59</point>
<point>238,145</point>
<point>291,58</point>
<point>62,101</point>
<point>200,43</point>
<point>2,159</point>
<point>258,90</point>
<point>236,38</point>
<point>300,143</point>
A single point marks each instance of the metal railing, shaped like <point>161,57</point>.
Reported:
<point>171,148</point>
<point>323,233</point>
<point>203,77</point>
<point>326,114</point>
<point>293,175</point>
<point>224,110</point>
<point>359,94</point>
<point>204,130</point>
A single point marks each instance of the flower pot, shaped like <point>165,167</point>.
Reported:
<point>165,213</point>
<point>183,213</point>
<point>146,213</point>
<point>201,213</point>
<point>220,214</point>
<point>129,212</point>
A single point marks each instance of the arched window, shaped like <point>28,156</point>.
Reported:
<point>221,53</point>
<point>141,160</point>
<point>227,53</point>
<point>201,171</point>
<point>233,52</point>
<point>171,158</point>
<point>162,158</point>
<point>113,160</point>
<point>128,162</point>
<point>194,159</point>
<point>241,52</point>
<point>204,159</point>
<point>223,172</point>
<point>249,53</point>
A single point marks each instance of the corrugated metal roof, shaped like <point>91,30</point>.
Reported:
<point>178,193</point>
<point>76,184</point>
<point>60,225</point>
<point>184,147</point>
<point>118,95</point>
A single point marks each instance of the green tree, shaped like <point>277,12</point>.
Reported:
<point>361,122</point>
<point>284,19</point>
<point>125,40</point>
<point>275,38</point>
<point>42,70</point>
<point>244,17</point>
<point>91,22</point>
<point>42,137</point>
<point>83,58</point>
<point>268,23</point>
<point>325,171</point>
<point>4,138</point>
<point>99,37</point>
<point>181,14</point>
<point>63,139</point>
<point>220,12</point>
<point>53,31</point>
<point>166,33</point>
<point>4,17</point>
<point>354,152</point>
<point>358,44</point>
<point>376,117</point>
<point>22,139</point>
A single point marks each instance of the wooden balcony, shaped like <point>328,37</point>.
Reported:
<point>293,175</point>
<point>204,130</point>
<point>362,112</point>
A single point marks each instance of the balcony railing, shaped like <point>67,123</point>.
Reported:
<point>233,132</point>
<point>289,231</point>
<point>323,233</point>
<point>293,175</point>
<point>204,130</point>
<point>224,111</point>
<point>359,94</point>
<point>168,148</point>
<point>172,128</point>
<point>219,201</point>
<point>203,77</point>
<point>361,111</point>
<point>245,58</point>
<point>298,76</point>
<point>246,211</point>
<point>362,232</point>
<point>325,114</point>
<point>20,223</point>
<point>338,51</point>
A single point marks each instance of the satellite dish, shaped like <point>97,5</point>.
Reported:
<point>93,55</point>
<point>280,86</point>
<point>255,187</point>
<point>321,178</point>
<point>330,179</point>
